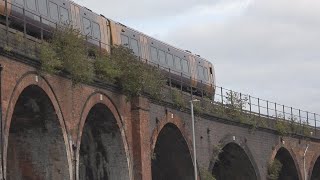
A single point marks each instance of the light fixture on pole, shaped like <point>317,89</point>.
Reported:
<point>194,141</point>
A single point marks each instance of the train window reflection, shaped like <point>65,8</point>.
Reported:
<point>200,72</point>
<point>43,7</point>
<point>86,26</point>
<point>53,11</point>
<point>154,54</point>
<point>162,57</point>
<point>135,47</point>
<point>177,62</point>
<point>205,73</point>
<point>124,40</point>
<point>185,66</point>
<point>64,15</point>
<point>96,31</point>
<point>170,60</point>
<point>31,4</point>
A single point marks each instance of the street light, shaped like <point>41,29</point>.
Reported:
<point>194,141</point>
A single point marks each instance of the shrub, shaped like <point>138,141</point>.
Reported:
<point>206,175</point>
<point>67,51</point>
<point>274,169</point>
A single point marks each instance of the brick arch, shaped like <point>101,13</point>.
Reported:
<point>313,163</point>
<point>92,100</point>
<point>241,142</point>
<point>175,120</point>
<point>292,154</point>
<point>26,80</point>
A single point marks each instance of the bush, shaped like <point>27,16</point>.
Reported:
<point>274,169</point>
<point>67,51</point>
<point>206,175</point>
<point>133,76</point>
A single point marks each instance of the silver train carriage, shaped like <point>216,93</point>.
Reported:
<point>182,66</point>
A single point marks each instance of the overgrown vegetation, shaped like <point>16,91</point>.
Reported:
<point>274,169</point>
<point>216,151</point>
<point>68,51</point>
<point>206,175</point>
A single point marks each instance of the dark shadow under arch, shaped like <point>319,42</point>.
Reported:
<point>102,153</point>
<point>171,159</point>
<point>288,170</point>
<point>315,175</point>
<point>233,164</point>
<point>36,147</point>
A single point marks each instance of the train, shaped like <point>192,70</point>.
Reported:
<point>182,65</point>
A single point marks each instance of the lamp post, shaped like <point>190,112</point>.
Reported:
<point>194,141</point>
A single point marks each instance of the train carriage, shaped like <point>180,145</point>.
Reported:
<point>36,17</point>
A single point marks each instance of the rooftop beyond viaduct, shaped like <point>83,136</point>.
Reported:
<point>53,129</point>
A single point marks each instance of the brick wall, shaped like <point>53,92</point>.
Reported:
<point>137,123</point>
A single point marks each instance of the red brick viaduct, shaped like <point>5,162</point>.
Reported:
<point>54,130</point>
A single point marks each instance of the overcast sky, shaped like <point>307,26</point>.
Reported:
<point>267,48</point>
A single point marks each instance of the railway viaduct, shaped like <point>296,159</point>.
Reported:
<point>52,129</point>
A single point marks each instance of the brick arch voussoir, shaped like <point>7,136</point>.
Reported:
<point>92,100</point>
<point>26,80</point>
<point>241,142</point>
<point>292,154</point>
<point>313,163</point>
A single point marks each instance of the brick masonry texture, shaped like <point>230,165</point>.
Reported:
<point>136,125</point>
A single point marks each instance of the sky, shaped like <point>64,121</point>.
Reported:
<point>266,48</point>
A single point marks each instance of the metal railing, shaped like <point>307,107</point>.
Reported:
<point>26,38</point>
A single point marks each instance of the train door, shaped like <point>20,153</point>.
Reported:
<point>75,16</point>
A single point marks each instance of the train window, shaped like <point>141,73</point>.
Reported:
<point>177,62</point>
<point>96,31</point>
<point>124,40</point>
<point>200,72</point>
<point>20,2</point>
<point>64,15</point>
<point>86,26</point>
<point>162,57</point>
<point>31,4</point>
<point>170,60</point>
<point>154,54</point>
<point>134,46</point>
<point>185,66</point>
<point>53,11</point>
<point>205,73</point>
<point>43,7</point>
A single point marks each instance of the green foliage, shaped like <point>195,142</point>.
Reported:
<point>206,175</point>
<point>216,150</point>
<point>133,76</point>
<point>67,51</point>
<point>274,169</point>
<point>282,127</point>
<point>177,99</point>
